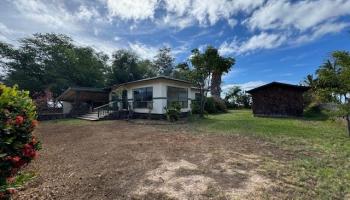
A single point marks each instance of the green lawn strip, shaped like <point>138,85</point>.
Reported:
<point>322,148</point>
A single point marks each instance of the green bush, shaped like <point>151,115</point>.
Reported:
<point>173,112</point>
<point>213,105</point>
<point>17,144</point>
<point>195,107</point>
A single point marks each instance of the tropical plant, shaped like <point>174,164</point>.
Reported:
<point>18,146</point>
<point>235,97</point>
<point>220,65</point>
<point>173,111</point>
<point>334,83</point>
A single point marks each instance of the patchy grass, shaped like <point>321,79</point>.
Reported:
<point>20,180</point>
<point>321,146</point>
<point>75,121</point>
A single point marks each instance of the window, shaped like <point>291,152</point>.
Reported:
<point>178,95</point>
<point>143,97</point>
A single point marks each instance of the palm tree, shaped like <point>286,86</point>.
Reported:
<point>222,65</point>
<point>310,81</point>
<point>232,92</point>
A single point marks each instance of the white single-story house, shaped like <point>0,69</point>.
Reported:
<point>145,96</point>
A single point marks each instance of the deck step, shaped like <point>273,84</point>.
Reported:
<point>93,116</point>
<point>89,118</point>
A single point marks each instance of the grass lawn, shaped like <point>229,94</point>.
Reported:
<point>321,168</point>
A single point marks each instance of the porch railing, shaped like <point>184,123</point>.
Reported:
<point>106,109</point>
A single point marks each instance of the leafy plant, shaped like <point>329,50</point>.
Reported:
<point>173,112</point>
<point>214,105</point>
<point>17,144</point>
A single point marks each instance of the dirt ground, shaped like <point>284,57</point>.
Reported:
<point>123,160</point>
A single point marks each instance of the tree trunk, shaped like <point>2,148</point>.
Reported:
<point>201,114</point>
<point>215,89</point>
<point>348,123</point>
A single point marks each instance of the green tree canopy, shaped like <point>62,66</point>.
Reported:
<point>334,81</point>
<point>52,61</point>
<point>164,62</point>
<point>127,66</point>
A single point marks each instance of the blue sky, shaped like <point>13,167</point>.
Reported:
<point>272,40</point>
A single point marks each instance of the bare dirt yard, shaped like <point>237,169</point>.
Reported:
<point>123,160</point>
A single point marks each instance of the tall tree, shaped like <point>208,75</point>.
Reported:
<point>182,71</point>
<point>202,69</point>
<point>334,80</point>
<point>127,66</point>
<point>51,61</point>
<point>148,67</point>
<point>164,62</point>
<point>220,66</point>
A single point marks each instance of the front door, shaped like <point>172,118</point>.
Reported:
<point>125,99</point>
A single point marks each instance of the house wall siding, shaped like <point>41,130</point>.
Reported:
<point>160,88</point>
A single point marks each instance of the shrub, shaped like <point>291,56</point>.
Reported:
<point>173,112</point>
<point>17,144</point>
<point>195,107</point>
<point>213,105</point>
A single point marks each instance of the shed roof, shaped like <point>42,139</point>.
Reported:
<point>279,84</point>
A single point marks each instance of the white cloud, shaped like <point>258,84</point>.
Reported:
<point>144,51</point>
<point>176,21</point>
<point>132,10</point>
<point>184,13</point>
<point>227,48</point>
<point>244,86</point>
<point>5,33</point>
<point>116,38</point>
<point>321,30</point>
<point>256,42</point>
<point>178,7</point>
<point>53,16</point>
<point>301,15</point>
<point>210,11</point>
<point>262,41</point>
<point>85,13</point>
<point>232,22</point>
<point>99,45</point>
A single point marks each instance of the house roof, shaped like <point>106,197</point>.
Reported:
<point>153,78</point>
<point>87,93</point>
<point>282,85</point>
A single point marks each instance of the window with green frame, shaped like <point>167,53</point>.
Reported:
<point>176,94</point>
<point>143,97</point>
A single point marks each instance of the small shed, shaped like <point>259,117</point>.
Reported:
<point>278,99</point>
